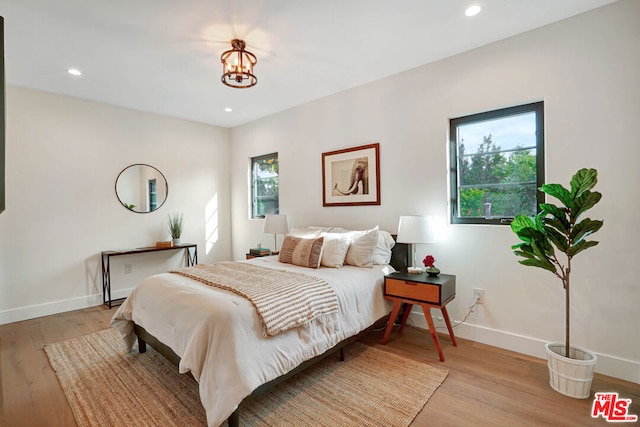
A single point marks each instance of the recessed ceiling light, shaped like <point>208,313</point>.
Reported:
<point>228,109</point>
<point>473,10</point>
<point>74,72</point>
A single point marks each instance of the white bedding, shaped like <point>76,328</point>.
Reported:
<point>219,337</point>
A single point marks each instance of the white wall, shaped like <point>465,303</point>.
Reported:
<point>586,71</point>
<point>63,157</point>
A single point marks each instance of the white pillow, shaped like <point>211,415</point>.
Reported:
<point>382,250</point>
<point>317,227</point>
<point>339,230</point>
<point>360,252</point>
<point>334,250</point>
<point>305,232</point>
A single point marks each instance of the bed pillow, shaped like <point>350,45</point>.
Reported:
<point>300,251</point>
<point>382,250</point>
<point>360,252</point>
<point>306,232</point>
<point>318,227</point>
<point>334,250</point>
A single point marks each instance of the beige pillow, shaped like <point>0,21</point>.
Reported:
<point>334,250</point>
<point>360,252</point>
<point>300,251</point>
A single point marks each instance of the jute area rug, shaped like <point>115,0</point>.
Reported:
<point>106,386</point>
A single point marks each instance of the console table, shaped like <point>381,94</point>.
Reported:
<point>190,253</point>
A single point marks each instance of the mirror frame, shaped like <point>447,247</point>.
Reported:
<point>166,187</point>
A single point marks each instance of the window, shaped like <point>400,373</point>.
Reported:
<point>153,196</point>
<point>264,185</point>
<point>497,164</point>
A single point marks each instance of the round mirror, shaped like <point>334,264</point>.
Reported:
<point>141,188</point>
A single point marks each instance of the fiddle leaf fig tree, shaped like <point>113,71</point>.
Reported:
<point>553,237</point>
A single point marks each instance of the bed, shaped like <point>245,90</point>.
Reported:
<point>220,338</point>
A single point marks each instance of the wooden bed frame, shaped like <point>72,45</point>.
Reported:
<point>399,261</point>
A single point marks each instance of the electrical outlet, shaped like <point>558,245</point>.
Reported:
<point>479,295</point>
<point>127,269</point>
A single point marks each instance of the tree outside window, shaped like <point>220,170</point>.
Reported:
<point>264,185</point>
<point>497,164</point>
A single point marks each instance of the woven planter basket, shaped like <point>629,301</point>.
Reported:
<point>570,376</point>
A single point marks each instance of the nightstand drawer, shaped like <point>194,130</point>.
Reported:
<point>413,290</point>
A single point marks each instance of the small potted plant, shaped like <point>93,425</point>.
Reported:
<point>561,230</point>
<point>430,268</point>
<point>175,227</point>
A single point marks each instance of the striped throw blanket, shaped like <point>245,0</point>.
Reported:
<point>283,299</point>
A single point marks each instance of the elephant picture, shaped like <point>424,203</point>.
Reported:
<point>351,176</point>
<point>359,177</point>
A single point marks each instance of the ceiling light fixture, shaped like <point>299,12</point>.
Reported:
<point>237,66</point>
<point>473,10</point>
<point>74,72</point>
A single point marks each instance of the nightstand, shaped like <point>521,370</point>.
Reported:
<point>428,292</point>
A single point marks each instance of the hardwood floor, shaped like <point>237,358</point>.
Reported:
<point>486,386</point>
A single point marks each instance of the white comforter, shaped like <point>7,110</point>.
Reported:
<point>219,337</point>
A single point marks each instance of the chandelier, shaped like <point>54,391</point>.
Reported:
<point>237,66</point>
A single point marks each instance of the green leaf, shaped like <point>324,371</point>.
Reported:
<point>539,221</point>
<point>584,228</point>
<point>581,246</point>
<point>528,234</point>
<point>524,247</point>
<point>584,202</point>
<point>524,254</point>
<point>540,264</point>
<point>558,239</point>
<point>543,249</point>
<point>520,246</point>
<point>558,213</point>
<point>537,242</point>
<point>559,192</point>
<point>553,210</point>
<point>561,227</point>
<point>583,180</point>
<point>521,222</point>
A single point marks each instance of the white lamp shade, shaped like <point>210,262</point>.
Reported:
<point>275,224</point>
<point>416,229</point>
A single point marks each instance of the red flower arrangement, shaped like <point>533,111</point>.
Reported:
<point>428,261</point>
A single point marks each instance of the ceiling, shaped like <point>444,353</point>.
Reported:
<point>163,56</point>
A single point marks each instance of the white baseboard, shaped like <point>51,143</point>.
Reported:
<point>625,369</point>
<point>55,307</point>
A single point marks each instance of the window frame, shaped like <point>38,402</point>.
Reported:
<point>535,107</point>
<point>252,186</point>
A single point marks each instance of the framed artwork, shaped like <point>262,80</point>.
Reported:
<point>351,177</point>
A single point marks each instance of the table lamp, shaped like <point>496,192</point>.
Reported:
<point>275,224</point>
<point>416,229</point>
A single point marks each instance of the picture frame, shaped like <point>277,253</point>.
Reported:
<point>351,176</point>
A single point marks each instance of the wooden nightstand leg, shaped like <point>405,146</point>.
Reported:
<point>405,316</point>
<point>445,314</point>
<point>392,317</point>
<point>432,329</point>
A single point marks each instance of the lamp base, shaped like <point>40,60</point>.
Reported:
<point>414,270</point>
